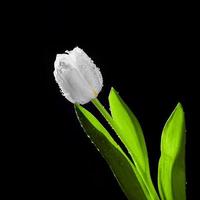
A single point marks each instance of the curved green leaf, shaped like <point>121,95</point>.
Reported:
<point>132,137</point>
<point>171,169</point>
<point>121,166</point>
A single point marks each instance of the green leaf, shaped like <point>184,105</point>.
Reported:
<point>132,137</point>
<point>131,134</point>
<point>171,169</point>
<point>121,166</point>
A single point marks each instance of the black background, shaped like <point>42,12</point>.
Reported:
<point>146,52</point>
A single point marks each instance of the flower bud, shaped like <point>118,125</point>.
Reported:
<point>78,77</point>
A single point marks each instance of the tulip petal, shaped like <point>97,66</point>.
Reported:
<point>75,85</point>
<point>77,76</point>
<point>89,70</point>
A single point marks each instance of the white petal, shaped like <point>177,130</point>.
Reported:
<point>63,86</point>
<point>88,69</point>
<point>73,86</point>
<point>77,76</point>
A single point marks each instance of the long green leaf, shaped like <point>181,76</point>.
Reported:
<point>121,166</point>
<point>132,137</point>
<point>171,169</point>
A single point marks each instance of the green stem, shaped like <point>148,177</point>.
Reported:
<point>105,114</point>
<point>146,187</point>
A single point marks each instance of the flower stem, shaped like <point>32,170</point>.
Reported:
<point>112,123</point>
<point>105,113</point>
<point>149,187</point>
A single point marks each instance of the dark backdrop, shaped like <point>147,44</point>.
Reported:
<point>147,52</point>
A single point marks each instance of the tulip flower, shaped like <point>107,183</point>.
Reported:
<point>80,82</point>
<point>77,76</point>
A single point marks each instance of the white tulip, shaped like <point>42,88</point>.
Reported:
<point>77,76</point>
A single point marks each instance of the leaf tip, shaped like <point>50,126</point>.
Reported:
<point>179,105</point>
<point>179,108</point>
<point>113,90</point>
